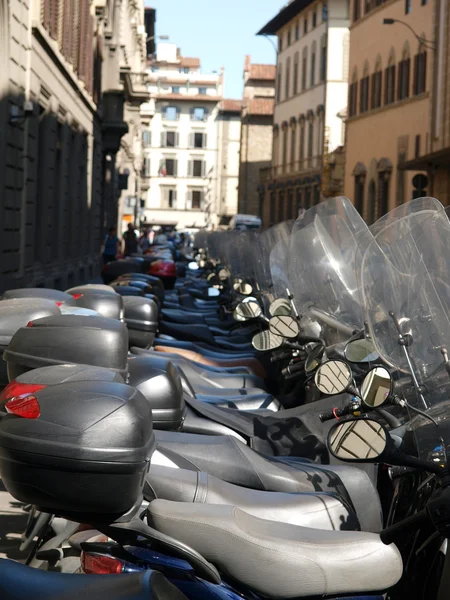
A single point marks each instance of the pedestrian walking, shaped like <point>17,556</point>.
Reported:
<point>111,246</point>
<point>131,240</point>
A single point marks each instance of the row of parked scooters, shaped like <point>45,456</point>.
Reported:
<point>265,415</point>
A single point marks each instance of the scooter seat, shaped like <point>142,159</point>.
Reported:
<point>231,460</point>
<point>280,560</point>
<point>205,349</point>
<point>324,511</point>
<point>19,582</point>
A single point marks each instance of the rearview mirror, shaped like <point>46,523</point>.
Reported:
<point>362,440</point>
<point>213,292</point>
<point>193,266</point>
<point>249,299</point>
<point>361,351</point>
<point>286,327</point>
<point>243,288</point>
<point>265,341</point>
<point>376,387</point>
<point>314,358</point>
<point>249,310</point>
<point>224,274</point>
<point>333,377</point>
<point>237,316</point>
<point>280,307</point>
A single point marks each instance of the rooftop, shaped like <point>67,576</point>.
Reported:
<point>228,105</point>
<point>286,14</point>
<point>262,72</point>
<point>260,106</point>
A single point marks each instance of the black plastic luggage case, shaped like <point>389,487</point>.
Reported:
<point>47,293</point>
<point>141,318</point>
<point>86,454</point>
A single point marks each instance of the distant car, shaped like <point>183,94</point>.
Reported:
<point>245,222</point>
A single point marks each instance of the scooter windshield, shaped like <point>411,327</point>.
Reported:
<point>405,276</point>
<point>325,246</point>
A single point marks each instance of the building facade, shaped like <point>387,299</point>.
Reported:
<point>229,135</point>
<point>388,126</point>
<point>310,101</point>
<point>183,145</point>
<point>256,133</point>
<point>61,122</point>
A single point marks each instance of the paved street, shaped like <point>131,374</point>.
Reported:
<point>12,524</point>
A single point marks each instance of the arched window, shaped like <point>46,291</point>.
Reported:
<point>372,208</point>
<point>359,173</point>
<point>310,139</point>
<point>284,146</point>
<point>364,91</point>
<point>323,58</point>
<point>389,80</point>
<point>384,169</point>
<point>404,69</point>
<point>295,90</point>
<point>301,157</point>
<point>276,147</point>
<point>420,71</point>
<point>353,95</point>
<point>356,9</point>
<point>304,68</point>
<point>293,142</point>
<point>376,86</point>
<point>279,81</point>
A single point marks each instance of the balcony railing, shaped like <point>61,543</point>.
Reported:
<point>299,167</point>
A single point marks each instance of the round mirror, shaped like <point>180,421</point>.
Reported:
<point>360,439</point>
<point>242,288</point>
<point>249,299</point>
<point>237,316</point>
<point>193,266</point>
<point>224,274</point>
<point>213,292</point>
<point>266,340</point>
<point>376,387</point>
<point>249,310</point>
<point>314,358</point>
<point>333,377</point>
<point>286,327</point>
<point>280,307</point>
<point>361,351</point>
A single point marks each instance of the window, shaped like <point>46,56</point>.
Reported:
<point>196,168</point>
<point>403,77</point>
<point>186,70</point>
<point>198,114</point>
<point>169,139</point>
<point>314,20</point>
<point>359,193</point>
<point>168,167</point>
<point>290,205</point>
<point>323,59</point>
<point>196,199</point>
<point>146,139</point>
<point>280,43</point>
<point>302,144</point>
<point>171,113</point>
<point>297,32</point>
<point>310,139</point>
<point>146,167</point>
<point>202,91</point>
<point>155,69</point>
<point>389,82</point>
<point>417,146</point>
<point>305,25</point>
<point>353,96</point>
<point>383,193</point>
<point>293,145</point>
<point>284,149</point>
<point>356,9</point>
<point>272,209</point>
<point>376,88</point>
<point>304,68</point>
<point>407,7</point>
<point>420,72</point>
<point>288,79</point>
<point>175,89</point>
<point>280,207</point>
<point>364,94</point>
<point>279,82</point>
<point>295,90</point>
<point>198,140</point>
<point>288,38</point>
<point>169,197</point>
<point>424,2</point>
<point>312,75</point>
<point>324,13</point>
<point>372,208</point>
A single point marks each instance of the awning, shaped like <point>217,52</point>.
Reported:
<point>424,163</point>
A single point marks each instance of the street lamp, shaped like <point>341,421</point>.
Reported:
<point>428,44</point>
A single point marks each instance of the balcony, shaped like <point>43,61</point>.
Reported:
<point>305,167</point>
<point>135,85</point>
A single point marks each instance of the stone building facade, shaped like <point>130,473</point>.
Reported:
<point>256,133</point>
<point>61,121</point>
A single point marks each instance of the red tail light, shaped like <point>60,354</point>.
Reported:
<point>25,406</point>
<point>77,296</point>
<point>30,324</point>
<point>16,388</point>
<point>98,564</point>
<point>59,303</point>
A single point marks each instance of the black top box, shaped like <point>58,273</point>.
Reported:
<point>68,339</point>
<point>159,381</point>
<point>86,454</point>
<point>141,317</point>
<point>104,303</point>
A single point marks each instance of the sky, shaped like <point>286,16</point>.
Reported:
<point>220,33</point>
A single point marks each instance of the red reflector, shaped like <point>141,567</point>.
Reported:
<point>30,324</point>
<point>25,406</point>
<point>100,565</point>
<point>15,388</point>
<point>59,303</point>
<point>77,296</point>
